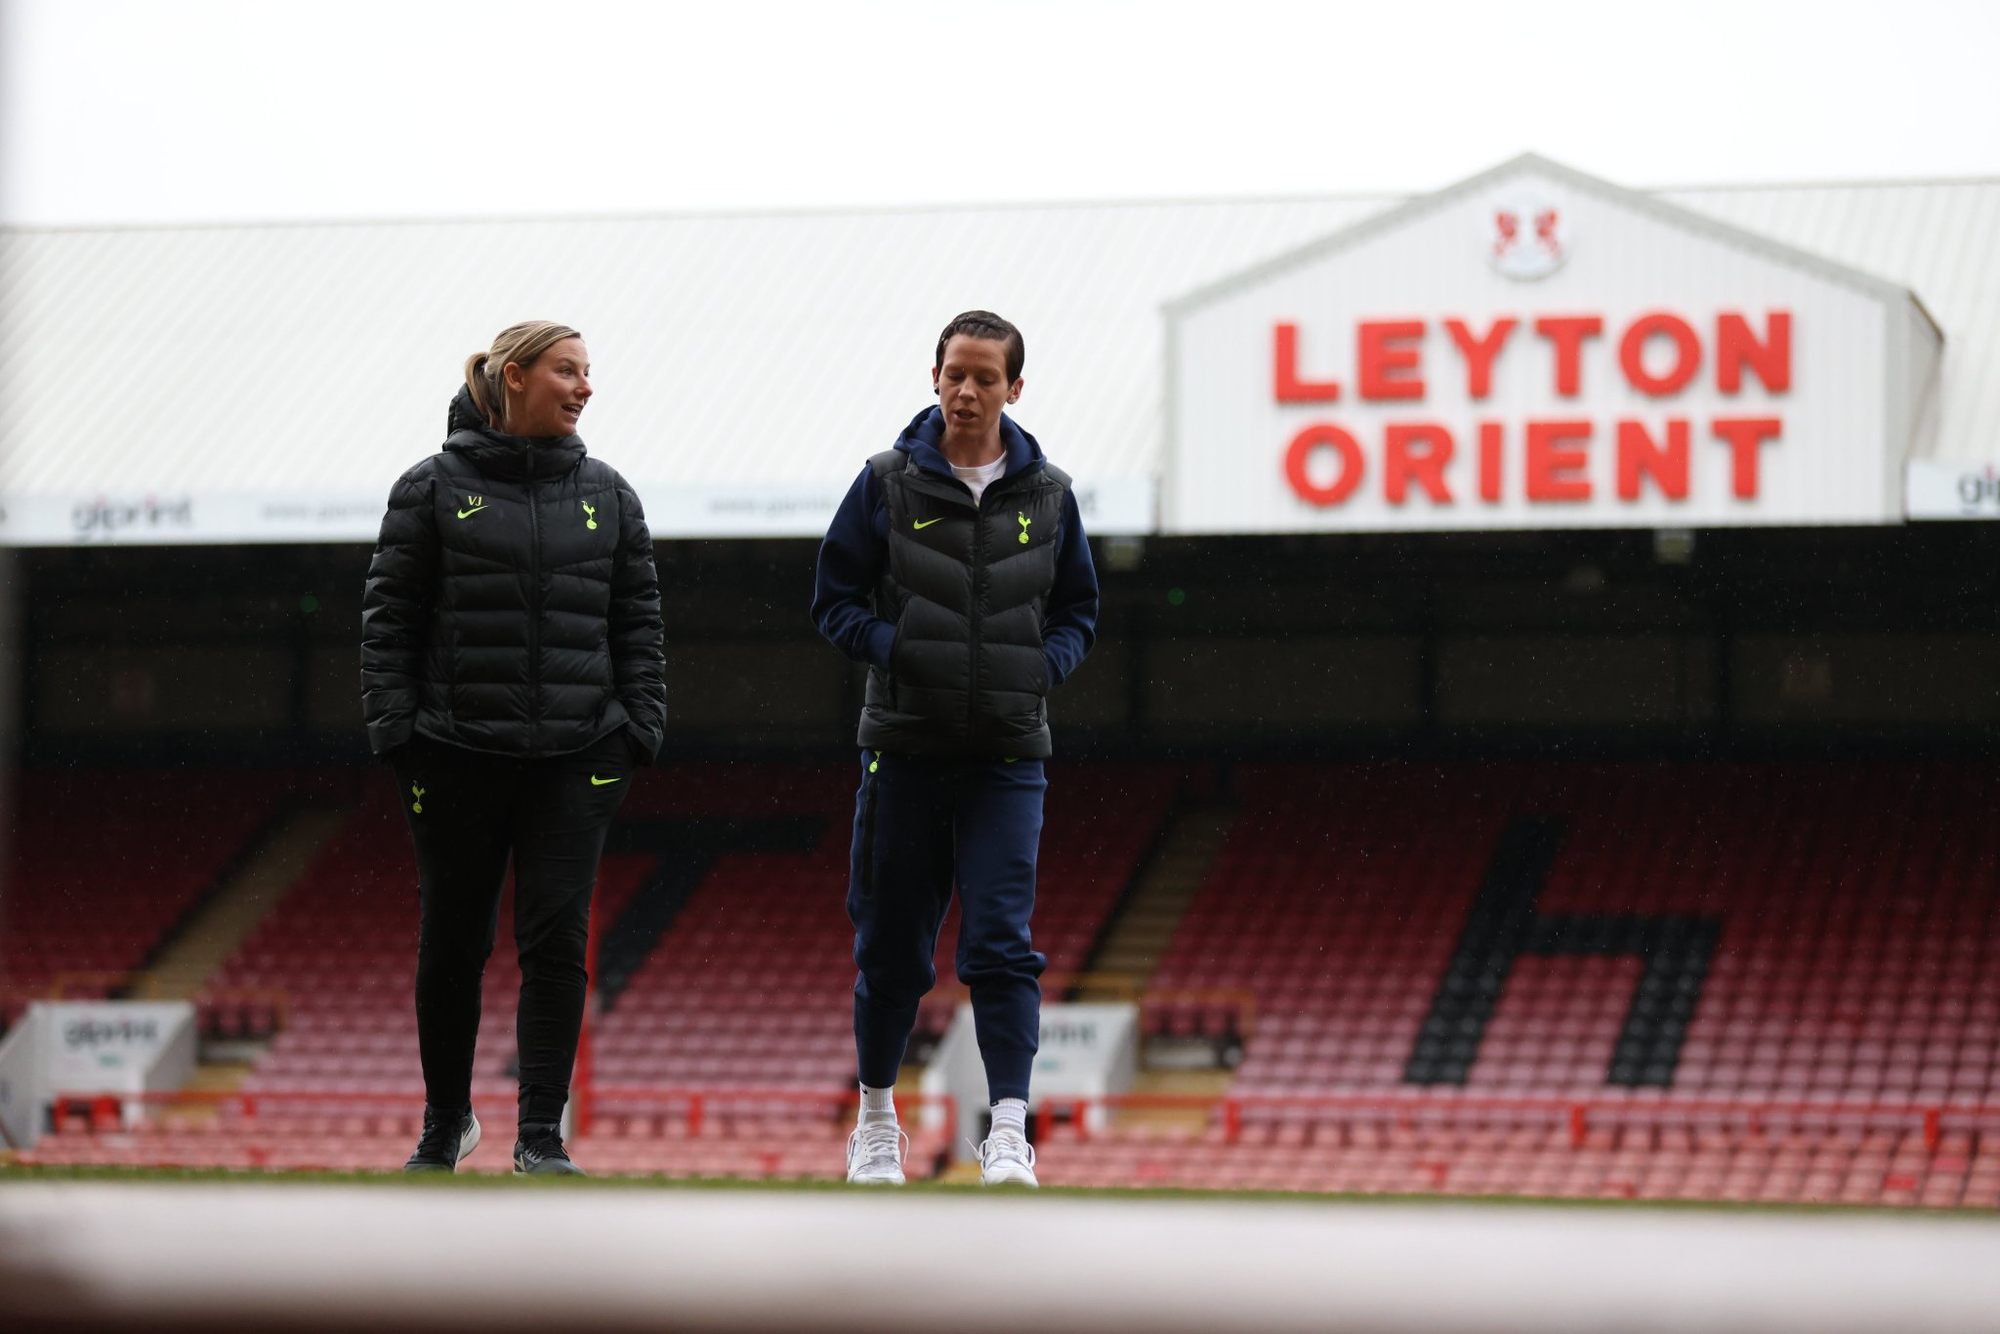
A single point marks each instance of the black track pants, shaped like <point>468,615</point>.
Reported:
<point>468,813</point>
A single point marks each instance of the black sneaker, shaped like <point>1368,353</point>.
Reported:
<point>539,1152</point>
<point>447,1137</point>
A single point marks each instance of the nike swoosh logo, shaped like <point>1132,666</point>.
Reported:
<point>466,514</point>
<point>595,781</point>
<point>925,524</point>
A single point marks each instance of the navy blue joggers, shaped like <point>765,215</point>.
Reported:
<point>922,824</point>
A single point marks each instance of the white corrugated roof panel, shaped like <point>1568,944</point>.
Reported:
<point>1941,240</point>
<point>727,349</point>
<point>737,350</point>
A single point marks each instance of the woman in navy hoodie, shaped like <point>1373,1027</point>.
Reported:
<point>958,570</point>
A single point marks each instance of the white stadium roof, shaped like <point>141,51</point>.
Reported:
<point>756,354</point>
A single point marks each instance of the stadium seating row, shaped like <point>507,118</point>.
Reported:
<point>1892,1169</point>
<point>1856,907</point>
<point>1349,920</point>
<point>83,909</point>
<point>793,1151</point>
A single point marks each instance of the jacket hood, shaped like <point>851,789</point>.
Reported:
<point>511,458</point>
<point>920,439</point>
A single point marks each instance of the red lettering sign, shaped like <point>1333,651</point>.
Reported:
<point>1308,442</point>
<point>1489,461</point>
<point>1479,353</point>
<point>1384,355</point>
<point>1632,354</point>
<point>1639,457</point>
<point>1285,374</point>
<point>1744,435</point>
<point>1554,463</point>
<point>1736,347</point>
<point>1659,354</point>
<point>1417,452</point>
<point>1566,334</point>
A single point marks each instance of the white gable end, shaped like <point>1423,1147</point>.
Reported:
<point>1534,349</point>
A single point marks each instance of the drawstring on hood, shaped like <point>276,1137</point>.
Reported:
<point>923,440</point>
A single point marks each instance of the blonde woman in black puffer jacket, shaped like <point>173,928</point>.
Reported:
<point>513,674</point>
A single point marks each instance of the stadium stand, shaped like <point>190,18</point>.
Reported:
<point>1760,982</point>
<point>726,1050</point>
<point>1092,846</point>
<point>342,945</point>
<point>84,910</point>
<point>749,989</point>
<point>1855,969</point>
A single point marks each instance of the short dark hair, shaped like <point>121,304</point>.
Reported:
<point>985,324</point>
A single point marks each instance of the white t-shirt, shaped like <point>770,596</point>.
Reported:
<point>981,477</point>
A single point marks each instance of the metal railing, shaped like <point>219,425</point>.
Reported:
<point>700,1107</point>
<point>1577,1116</point>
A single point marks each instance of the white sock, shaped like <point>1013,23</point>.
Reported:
<point>1011,1114</point>
<point>877,1105</point>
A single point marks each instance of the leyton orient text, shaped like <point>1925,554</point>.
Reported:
<point>1543,458</point>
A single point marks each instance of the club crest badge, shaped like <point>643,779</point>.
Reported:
<point>1527,236</point>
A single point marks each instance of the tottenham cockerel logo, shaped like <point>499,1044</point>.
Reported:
<point>1527,237</point>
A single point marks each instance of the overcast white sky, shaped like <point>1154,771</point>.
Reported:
<point>197,110</point>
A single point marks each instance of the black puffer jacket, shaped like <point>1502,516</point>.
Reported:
<point>512,603</point>
<point>967,586</point>
<point>967,613</point>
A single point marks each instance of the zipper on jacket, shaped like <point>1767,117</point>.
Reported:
<point>534,597</point>
<point>868,825</point>
<point>978,594</point>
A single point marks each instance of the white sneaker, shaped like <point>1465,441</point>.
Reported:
<point>875,1154</point>
<point>1007,1159</point>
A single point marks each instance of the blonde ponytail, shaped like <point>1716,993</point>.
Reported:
<point>517,344</point>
